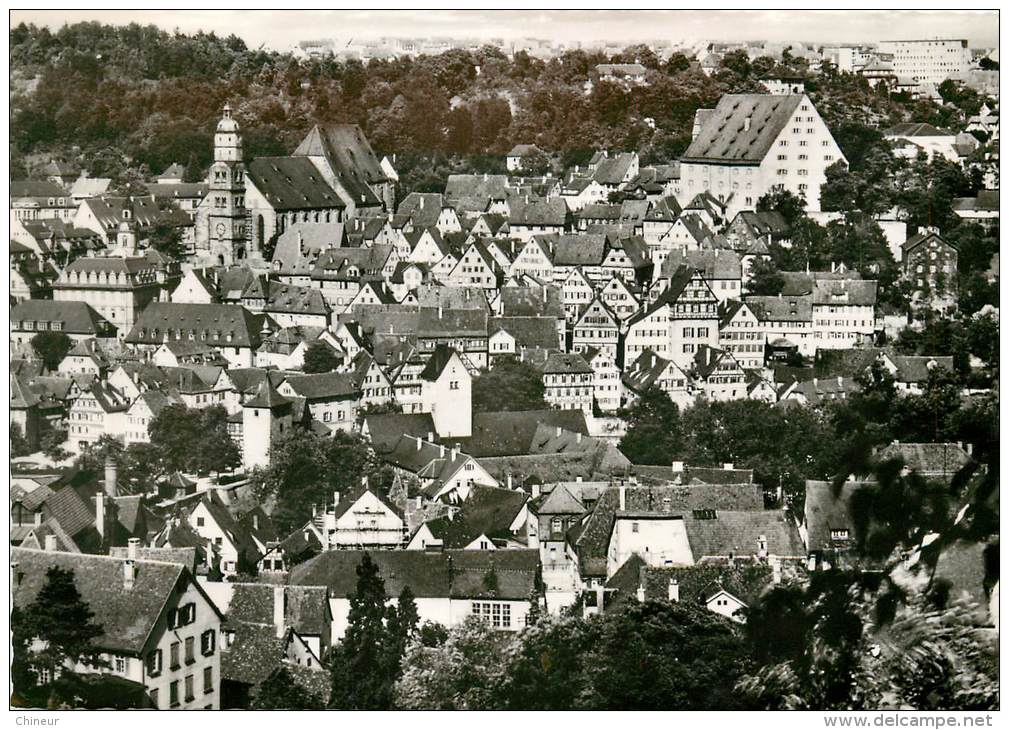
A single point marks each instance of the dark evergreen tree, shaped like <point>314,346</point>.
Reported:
<point>362,679</point>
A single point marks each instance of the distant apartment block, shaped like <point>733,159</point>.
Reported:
<point>929,61</point>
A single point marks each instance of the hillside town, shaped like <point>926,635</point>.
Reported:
<point>259,403</point>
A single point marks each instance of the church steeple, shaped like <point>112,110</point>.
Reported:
<point>226,232</point>
<point>126,235</point>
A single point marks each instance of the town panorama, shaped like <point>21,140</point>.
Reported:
<point>502,373</point>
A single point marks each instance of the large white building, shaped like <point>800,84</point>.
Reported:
<point>929,60</point>
<point>751,144</point>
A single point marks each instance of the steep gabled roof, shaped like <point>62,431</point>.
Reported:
<point>127,617</point>
<point>438,361</point>
<point>351,157</point>
<point>292,183</point>
<point>727,137</point>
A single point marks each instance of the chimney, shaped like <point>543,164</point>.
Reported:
<point>776,570</point>
<point>15,575</point>
<point>455,452</point>
<point>578,437</point>
<point>677,467</point>
<point>762,546</point>
<point>255,522</point>
<point>419,442</point>
<point>315,509</point>
<point>508,478</point>
<point>623,497</point>
<point>840,381</point>
<point>441,450</point>
<point>279,601</point>
<point>50,543</point>
<point>746,124</point>
<point>640,593</point>
<point>38,518</point>
<point>422,202</point>
<point>440,311</point>
<point>129,573</point>
<point>969,448</point>
<point>559,430</point>
<point>336,498</point>
<point>728,466</point>
<point>535,490</point>
<point>100,514</point>
<point>430,436</point>
<point>111,477</point>
<point>578,479</point>
<point>132,548</point>
<point>674,590</point>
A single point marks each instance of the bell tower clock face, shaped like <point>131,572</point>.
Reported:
<point>220,230</point>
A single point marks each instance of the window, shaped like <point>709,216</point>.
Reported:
<point>190,643</point>
<point>189,689</point>
<point>453,385</point>
<point>208,680</point>
<point>121,665</point>
<point>173,694</point>
<point>635,527</point>
<point>496,614</point>
<point>154,663</point>
<point>200,521</point>
<point>839,534</point>
<point>174,655</point>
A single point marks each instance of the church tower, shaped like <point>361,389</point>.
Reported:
<point>126,235</point>
<point>227,216</point>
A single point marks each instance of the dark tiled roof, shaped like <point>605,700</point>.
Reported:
<point>491,510</point>
<point>591,538</point>
<point>216,321</point>
<point>827,508</point>
<point>37,189</point>
<point>737,533</point>
<point>292,183</point>
<point>714,263</point>
<point>530,332</point>
<point>350,156</point>
<point>306,609</point>
<point>941,459</point>
<point>438,361</point>
<point>78,318</point>
<point>552,212</point>
<point>726,136</point>
<point>324,385</point>
<point>254,654</point>
<point>127,617</point>
<point>511,433</point>
<point>531,301</point>
<point>386,429</point>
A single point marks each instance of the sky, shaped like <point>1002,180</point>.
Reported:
<point>281,30</point>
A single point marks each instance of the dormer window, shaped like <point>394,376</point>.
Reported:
<point>839,534</point>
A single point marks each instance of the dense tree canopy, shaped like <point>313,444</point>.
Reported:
<point>162,94</point>
<point>306,468</point>
<point>510,386</point>
<point>320,358</point>
<point>51,347</point>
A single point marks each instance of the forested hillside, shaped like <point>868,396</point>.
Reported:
<point>117,99</point>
